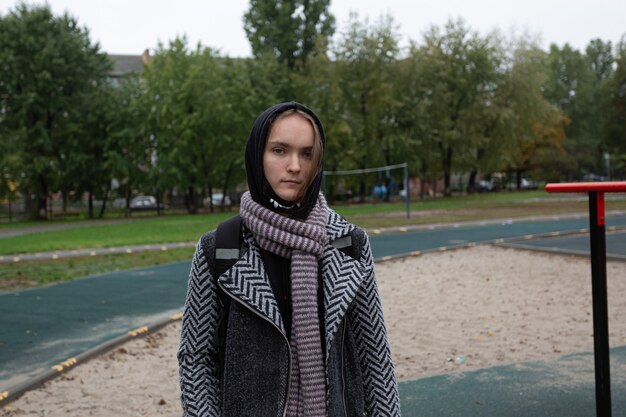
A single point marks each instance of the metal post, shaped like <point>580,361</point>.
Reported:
<point>600,309</point>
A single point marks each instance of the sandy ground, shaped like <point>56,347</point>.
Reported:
<point>446,312</point>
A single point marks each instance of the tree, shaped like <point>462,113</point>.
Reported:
<point>9,169</point>
<point>600,58</point>
<point>128,146</point>
<point>615,110</point>
<point>175,98</point>
<point>201,106</point>
<point>570,88</point>
<point>530,129</point>
<point>48,62</point>
<point>288,29</point>
<point>365,56</point>
<point>241,103</point>
<point>83,168</point>
<point>458,73</point>
<point>412,119</point>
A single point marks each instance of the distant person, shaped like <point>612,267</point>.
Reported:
<point>294,325</point>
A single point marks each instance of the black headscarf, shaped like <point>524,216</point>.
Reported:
<point>260,189</point>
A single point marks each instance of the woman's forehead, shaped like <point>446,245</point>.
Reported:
<point>292,130</point>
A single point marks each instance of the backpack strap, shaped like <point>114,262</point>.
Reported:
<point>227,248</point>
<point>351,244</point>
<point>227,244</point>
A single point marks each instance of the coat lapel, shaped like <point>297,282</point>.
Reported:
<point>342,276</point>
<point>247,281</point>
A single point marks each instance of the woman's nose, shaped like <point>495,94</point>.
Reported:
<point>294,163</point>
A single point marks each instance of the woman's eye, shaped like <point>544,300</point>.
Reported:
<point>278,151</point>
<point>308,154</point>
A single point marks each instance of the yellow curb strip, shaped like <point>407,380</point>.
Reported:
<point>65,365</point>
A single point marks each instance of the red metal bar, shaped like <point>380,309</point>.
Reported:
<point>597,239</point>
<point>585,187</point>
<point>600,217</point>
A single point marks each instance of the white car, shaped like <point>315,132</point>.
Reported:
<point>143,202</point>
<point>216,199</point>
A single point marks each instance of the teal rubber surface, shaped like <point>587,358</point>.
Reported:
<point>387,245</point>
<point>615,243</point>
<point>561,388</point>
<point>44,326</point>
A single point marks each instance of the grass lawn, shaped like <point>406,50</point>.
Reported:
<point>163,229</point>
<point>40,273</point>
<point>184,228</point>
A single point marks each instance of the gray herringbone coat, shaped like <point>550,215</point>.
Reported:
<point>359,371</point>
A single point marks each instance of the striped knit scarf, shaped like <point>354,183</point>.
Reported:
<point>303,242</point>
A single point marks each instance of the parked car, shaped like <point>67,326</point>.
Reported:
<point>484,186</point>
<point>144,202</point>
<point>216,199</point>
<point>594,177</point>
<point>527,184</point>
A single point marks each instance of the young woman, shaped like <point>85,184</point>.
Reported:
<point>303,327</point>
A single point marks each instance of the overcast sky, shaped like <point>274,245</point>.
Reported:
<point>131,26</point>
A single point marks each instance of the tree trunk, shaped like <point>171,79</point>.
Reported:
<point>104,200</point>
<point>158,201</point>
<point>64,202</point>
<point>90,204</point>
<point>211,208</point>
<point>361,191</point>
<point>423,179</point>
<point>226,181</point>
<point>331,194</point>
<point>446,165</point>
<point>42,200</point>
<point>193,205</point>
<point>127,211</point>
<point>471,182</point>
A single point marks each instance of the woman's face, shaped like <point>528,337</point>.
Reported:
<point>288,158</point>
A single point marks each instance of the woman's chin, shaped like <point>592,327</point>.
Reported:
<point>288,196</point>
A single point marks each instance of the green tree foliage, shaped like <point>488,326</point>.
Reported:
<point>288,29</point>
<point>9,167</point>
<point>615,109</point>
<point>600,58</point>
<point>48,67</point>
<point>201,107</point>
<point>531,125</point>
<point>128,147</point>
<point>365,56</point>
<point>412,122</point>
<point>457,73</point>
<point>570,87</point>
<point>85,157</point>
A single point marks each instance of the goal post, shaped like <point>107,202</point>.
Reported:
<point>404,166</point>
